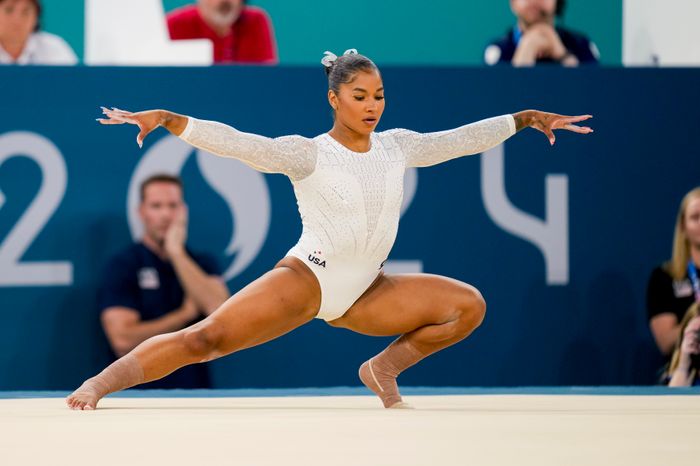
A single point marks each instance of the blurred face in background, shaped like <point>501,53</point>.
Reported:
<point>162,202</point>
<point>691,222</point>
<point>531,12</point>
<point>220,13</point>
<point>18,19</point>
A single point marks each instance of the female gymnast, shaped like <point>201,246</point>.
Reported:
<point>349,187</point>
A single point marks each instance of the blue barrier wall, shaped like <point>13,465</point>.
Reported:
<point>564,282</point>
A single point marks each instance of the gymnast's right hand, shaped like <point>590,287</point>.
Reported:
<point>146,121</point>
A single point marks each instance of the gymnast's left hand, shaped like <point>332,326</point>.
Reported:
<point>146,121</point>
<point>548,122</point>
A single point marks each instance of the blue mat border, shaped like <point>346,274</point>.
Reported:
<point>361,391</point>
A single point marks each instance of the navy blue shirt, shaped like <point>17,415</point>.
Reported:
<point>666,294</point>
<point>501,51</point>
<point>138,279</point>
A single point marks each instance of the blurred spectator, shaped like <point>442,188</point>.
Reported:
<point>683,370</point>
<point>240,33</point>
<point>21,41</point>
<point>158,286</point>
<point>674,286</point>
<point>535,39</point>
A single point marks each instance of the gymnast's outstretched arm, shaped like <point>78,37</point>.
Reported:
<point>426,149</point>
<point>294,156</point>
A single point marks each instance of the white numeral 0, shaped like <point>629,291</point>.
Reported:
<point>53,186</point>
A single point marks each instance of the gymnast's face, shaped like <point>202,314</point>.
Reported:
<point>691,222</point>
<point>162,202</point>
<point>359,104</point>
<point>17,20</point>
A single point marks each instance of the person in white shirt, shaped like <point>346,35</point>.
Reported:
<point>349,187</point>
<point>21,41</point>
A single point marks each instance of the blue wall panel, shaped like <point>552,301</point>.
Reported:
<point>624,183</point>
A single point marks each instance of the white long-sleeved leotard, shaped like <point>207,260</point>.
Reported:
<point>349,201</point>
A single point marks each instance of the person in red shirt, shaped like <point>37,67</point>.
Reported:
<point>240,33</point>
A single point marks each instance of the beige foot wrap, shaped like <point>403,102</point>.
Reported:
<point>379,373</point>
<point>123,373</point>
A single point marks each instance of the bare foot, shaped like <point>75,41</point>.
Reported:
<point>382,384</point>
<point>86,397</point>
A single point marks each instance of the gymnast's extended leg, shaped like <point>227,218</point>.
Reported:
<point>280,301</point>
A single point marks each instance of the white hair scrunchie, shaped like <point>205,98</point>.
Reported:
<point>329,58</point>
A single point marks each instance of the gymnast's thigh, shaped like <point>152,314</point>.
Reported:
<point>276,303</point>
<point>400,303</point>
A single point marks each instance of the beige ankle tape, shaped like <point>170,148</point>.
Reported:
<point>379,373</point>
<point>399,356</point>
<point>121,374</point>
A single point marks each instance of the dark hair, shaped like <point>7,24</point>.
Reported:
<point>37,5</point>
<point>345,67</point>
<point>158,178</point>
<point>561,5</point>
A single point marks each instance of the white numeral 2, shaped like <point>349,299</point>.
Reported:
<point>53,186</point>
